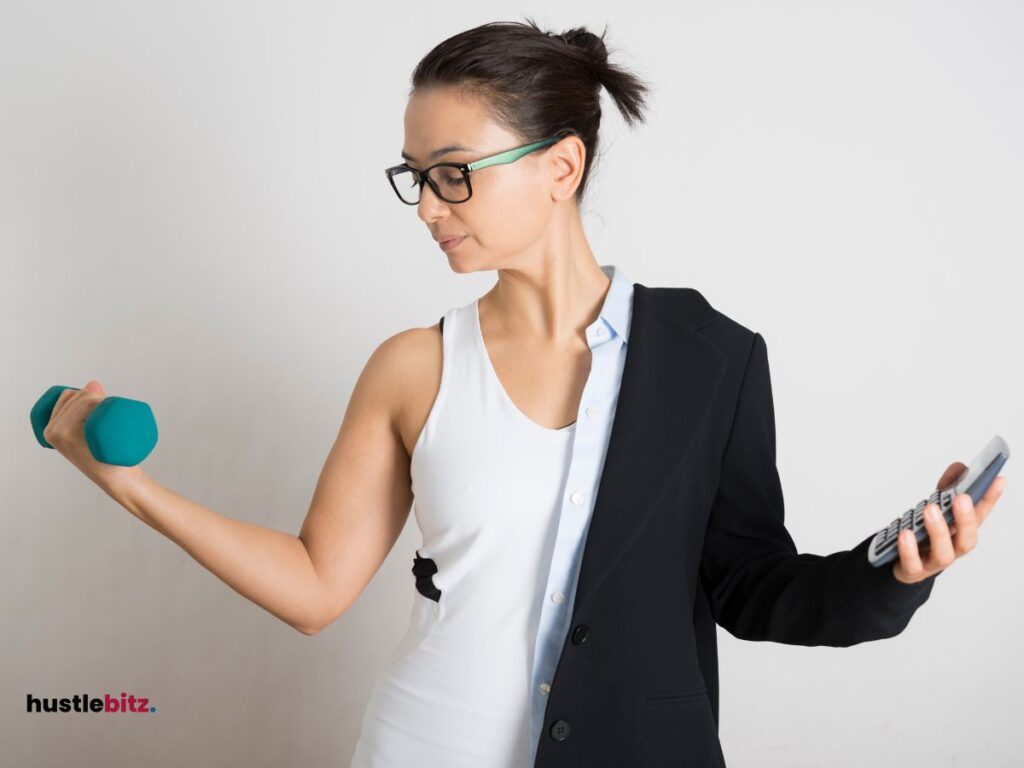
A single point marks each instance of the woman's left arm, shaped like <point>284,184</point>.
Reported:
<point>760,588</point>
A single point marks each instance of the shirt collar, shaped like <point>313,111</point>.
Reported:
<point>618,302</point>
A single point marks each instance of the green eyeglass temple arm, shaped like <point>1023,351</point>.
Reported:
<point>511,155</point>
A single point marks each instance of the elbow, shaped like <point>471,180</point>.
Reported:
<point>323,619</point>
<point>321,622</point>
<point>321,625</point>
<point>308,627</point>
<point>306,630</point>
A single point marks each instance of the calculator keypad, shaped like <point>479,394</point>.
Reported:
<point>913,519</point>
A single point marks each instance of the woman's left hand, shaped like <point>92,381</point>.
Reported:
<point>945,543</point>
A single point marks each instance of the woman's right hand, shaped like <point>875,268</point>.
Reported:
<point>66,433</point>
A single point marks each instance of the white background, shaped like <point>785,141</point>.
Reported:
<point>193,211</point>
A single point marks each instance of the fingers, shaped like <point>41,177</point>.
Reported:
<point>940,539</point>
<point>69,402</point>
<point>966,523</point>
<point>75,394</point>
<point>938,546</point>
<point>945,542</point>
<point>910,556</point>
<point>62,399</point>
<point>50,433</point>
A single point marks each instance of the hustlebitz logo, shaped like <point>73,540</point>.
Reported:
<point>127,704</point>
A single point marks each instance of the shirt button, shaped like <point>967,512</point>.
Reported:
<point>557,597</point>
<point>600,332</point>
<point>576,498</point>
<point>544,688</point>
<point>592,411</point>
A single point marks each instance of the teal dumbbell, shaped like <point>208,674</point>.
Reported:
<point>119,431</point>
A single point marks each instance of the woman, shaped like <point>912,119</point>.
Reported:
<point>592,462</point>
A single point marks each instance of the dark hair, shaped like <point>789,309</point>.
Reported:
<point>535,83</point>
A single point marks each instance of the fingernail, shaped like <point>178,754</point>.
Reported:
<point>933,513</point>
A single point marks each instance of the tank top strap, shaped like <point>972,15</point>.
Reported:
<point>466,372</point>
<point>453,354</point>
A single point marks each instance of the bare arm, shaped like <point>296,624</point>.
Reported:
<point>359,508</point>
<point>364,494</point>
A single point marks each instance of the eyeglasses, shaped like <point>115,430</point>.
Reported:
<point>450,181</point>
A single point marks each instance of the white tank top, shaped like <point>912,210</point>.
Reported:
<point>487,482</point>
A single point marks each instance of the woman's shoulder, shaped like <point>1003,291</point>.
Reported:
<point>407,368</point>
<point>693,309</point>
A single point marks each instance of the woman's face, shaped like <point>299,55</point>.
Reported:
<point>510,215</point>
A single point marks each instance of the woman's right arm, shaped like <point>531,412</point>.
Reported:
<point>359,508</point>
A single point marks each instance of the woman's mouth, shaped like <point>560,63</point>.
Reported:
<point>447,245</point>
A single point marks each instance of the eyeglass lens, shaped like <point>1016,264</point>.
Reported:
<point>448,180</point>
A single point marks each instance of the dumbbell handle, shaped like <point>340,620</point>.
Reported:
<point>118,431</point>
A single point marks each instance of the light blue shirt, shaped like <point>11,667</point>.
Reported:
<point>607,339</point>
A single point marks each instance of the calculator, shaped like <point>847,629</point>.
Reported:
<point>974,481</point>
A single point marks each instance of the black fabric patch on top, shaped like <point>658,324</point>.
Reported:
<point>423,568</point>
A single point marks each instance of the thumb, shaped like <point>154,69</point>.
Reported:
<point>95,386</point>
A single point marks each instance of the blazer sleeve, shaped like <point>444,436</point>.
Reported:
<point>758,586</point>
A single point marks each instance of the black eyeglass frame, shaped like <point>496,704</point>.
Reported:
<point>508,156</point>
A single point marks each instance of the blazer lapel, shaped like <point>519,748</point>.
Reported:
<point>670,378</point>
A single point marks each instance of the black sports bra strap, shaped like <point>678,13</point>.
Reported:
<point>442,325</point>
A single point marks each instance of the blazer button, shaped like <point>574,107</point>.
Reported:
<point>560,730</point>
<point>580,634</point>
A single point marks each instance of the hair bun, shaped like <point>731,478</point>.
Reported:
<point>591,44</point>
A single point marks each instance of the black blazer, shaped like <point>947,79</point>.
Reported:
<point>687,532</point>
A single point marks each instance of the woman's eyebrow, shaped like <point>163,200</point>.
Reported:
<point>440,152</point>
